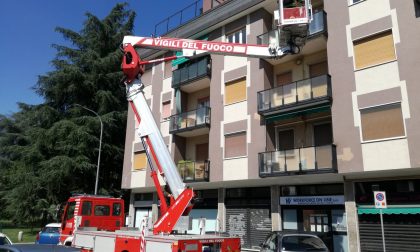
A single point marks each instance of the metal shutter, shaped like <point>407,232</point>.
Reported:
<point>250,224</point>
<point>398,237</point>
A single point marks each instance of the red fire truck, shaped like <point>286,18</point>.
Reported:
<point>81,211</point>
<point>160,238</point>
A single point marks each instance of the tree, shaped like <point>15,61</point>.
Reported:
<point>50,150</point>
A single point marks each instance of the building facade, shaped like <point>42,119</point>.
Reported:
<point>297,143</point>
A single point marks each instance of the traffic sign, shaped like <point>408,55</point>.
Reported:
<point>380,199</point>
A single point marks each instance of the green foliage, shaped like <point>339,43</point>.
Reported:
<point>49,151</point>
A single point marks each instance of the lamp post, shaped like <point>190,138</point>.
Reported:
<point>100,146</point>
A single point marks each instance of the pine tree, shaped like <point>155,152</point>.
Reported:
<point>49,151</point>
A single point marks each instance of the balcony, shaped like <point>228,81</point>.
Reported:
<point>198,72</point>
<point>303,95</point>
<point>317,26</point>
<point>191,171</point>
<point>191,123</point>
<point>306,160</point>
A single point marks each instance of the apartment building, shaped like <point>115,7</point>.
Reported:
<point>297,143</point>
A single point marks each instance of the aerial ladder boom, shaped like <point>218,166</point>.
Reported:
<point>294,17</point>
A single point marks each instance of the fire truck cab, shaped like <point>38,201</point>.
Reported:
<point>100,212</point>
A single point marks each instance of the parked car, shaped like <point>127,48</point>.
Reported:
<point>292,242</point>
<point>50,234</point>
<point>36,248</point>
<point>4,240</point>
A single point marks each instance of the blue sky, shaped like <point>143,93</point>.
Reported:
<point>27,32</point>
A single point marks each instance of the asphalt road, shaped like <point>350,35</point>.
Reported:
<point>37,248</point>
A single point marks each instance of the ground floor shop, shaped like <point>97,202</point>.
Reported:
<point>316,209</point>
<point>401,218</point>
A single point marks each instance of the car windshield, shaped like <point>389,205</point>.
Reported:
<point>4,241</point>
<point>302,243</point>
<point>51,230</point>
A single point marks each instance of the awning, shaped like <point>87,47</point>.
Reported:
<point>283,116</point>
<point>389,210</point>
<point>178,61</point>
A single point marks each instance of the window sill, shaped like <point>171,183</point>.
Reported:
<point>238,157</point>
<point>376,65</point>
<point>233,103</point>
<point>383,139</point>
<point>139,170</point>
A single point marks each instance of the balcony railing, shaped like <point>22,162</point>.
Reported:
<point>179,18</point>
<point>316,27</point>
<point>191,72</point>
<point>301,92</point>
<point>190,120</point>
<point>315,159</point>
<point>191,171</point>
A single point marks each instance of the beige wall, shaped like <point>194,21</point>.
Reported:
<point>191,143</point>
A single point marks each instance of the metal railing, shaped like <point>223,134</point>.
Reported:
<point>192,71</point>
<point>190,120</point>
<point>317,26</point>
<point>302,91</point>
<point>194,171</point>
<point>313,159</point>
<point>179,18</point>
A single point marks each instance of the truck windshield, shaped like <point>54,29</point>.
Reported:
<point>70,210</point>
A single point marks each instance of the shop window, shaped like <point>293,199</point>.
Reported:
<point>140,161</point>
<point>166,110</point>
<point>235,145</point>
<point>238,36</point>
<point>315,221</point>
<point>382,122</point>
<point>417,8</point>
<point>143,197</point>
<point>290,219</point>
<point>374,50</point>
<point>235,91</point>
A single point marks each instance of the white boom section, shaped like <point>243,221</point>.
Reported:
<point>149,128</point>
<point>195,47</point>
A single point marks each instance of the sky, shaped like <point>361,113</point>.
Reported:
<point>27,31</point>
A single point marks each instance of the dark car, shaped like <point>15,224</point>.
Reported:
<point>50,234</point>
<point>36,248</point>
<point>292,242</point>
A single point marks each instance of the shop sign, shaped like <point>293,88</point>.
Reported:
<point>312,200</point>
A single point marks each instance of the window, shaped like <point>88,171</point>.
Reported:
<point>166,110</point>
<point>417,8</point>
<point>102,210</point>
<point>116,209</point>
<point>140,161</point>
<point>70,210</point>
<point>235,145</point>
<point>284,78</point>
<point>285,139</point>
<point>235,91</point>
<point>382,122</point>
<point>237,37</point>
<point>374,50</point>
<point>87,208</point>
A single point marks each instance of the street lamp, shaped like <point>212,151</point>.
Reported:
<point>100,146</point>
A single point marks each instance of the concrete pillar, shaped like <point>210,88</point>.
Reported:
<point>221,209</point>
<point>155,208</point>
<point>352,217</point>
<point>131,211</point>
<point>275,208</point>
